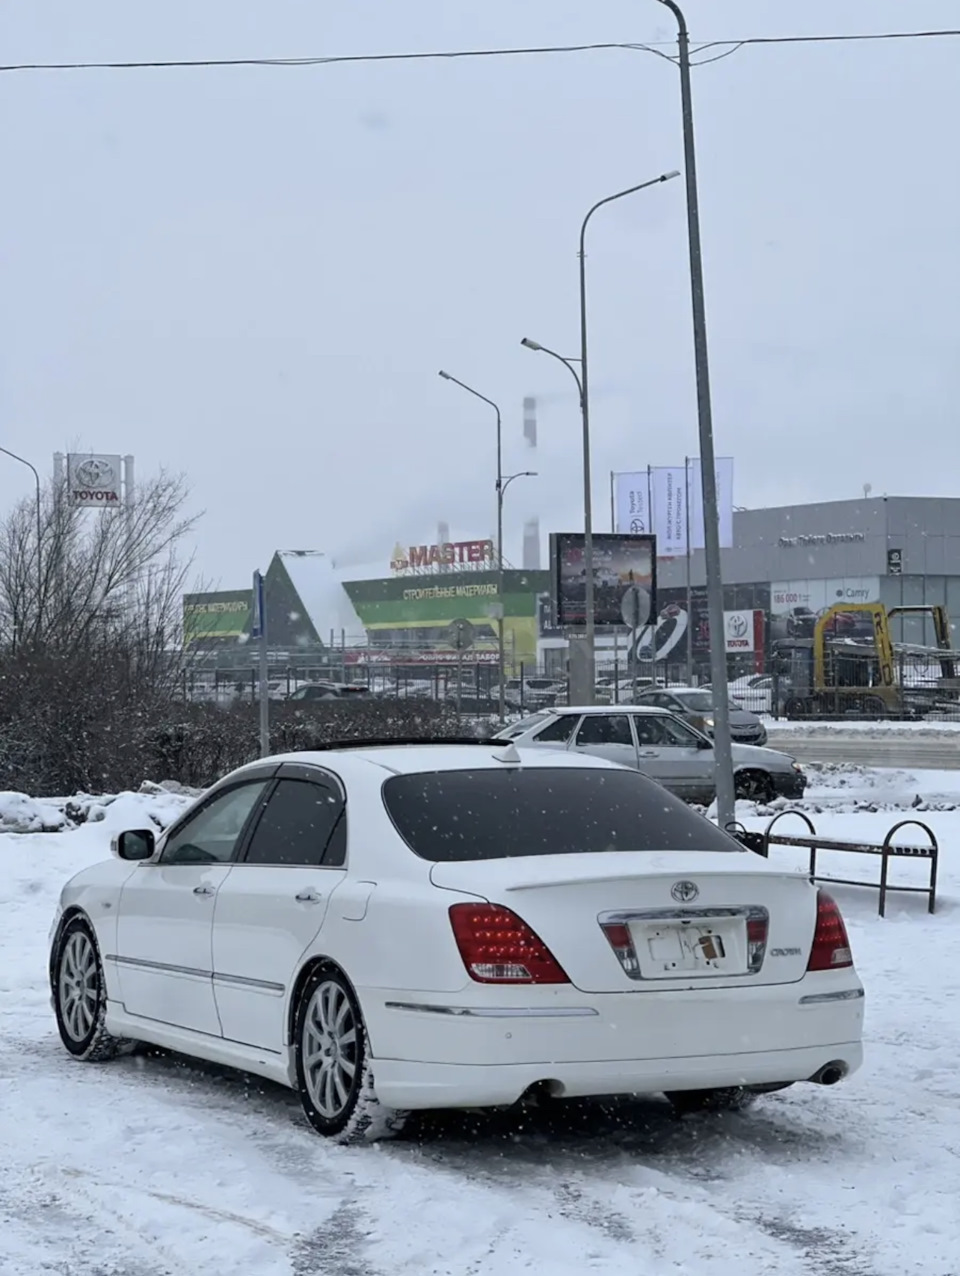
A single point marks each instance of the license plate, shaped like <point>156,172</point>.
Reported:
<point>672,950</point>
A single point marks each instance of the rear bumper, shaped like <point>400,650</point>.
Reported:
<point>405,1085</point>
<point>490,1045</point>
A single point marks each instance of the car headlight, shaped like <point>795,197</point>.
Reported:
<point>796,766</point>
<point>708,722</point>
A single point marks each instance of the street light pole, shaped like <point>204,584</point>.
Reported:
<point>501,649</point>
<point>36,477</point>
<point>583,386</point>
<point>726,796</point>
<point>590,626</point>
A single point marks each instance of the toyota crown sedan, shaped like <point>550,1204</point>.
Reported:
<point>400,927</point>
<point>661,745</point>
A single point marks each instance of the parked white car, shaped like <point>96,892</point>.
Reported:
<point>661,745</point>
<point>755,693</point>
<point>440,926</point>
<point>529,693</point>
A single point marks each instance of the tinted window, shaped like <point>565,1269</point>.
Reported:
<point>211,835</point>
<point>296,826</point>
<point>481,815</point>
<point>559,730</point>
<point>666,733</point>
<point>605,728</point>
<point>697,701</point>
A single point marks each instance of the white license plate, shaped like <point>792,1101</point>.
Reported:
<point>672,950</point>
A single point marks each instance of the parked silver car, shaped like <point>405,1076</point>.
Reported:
<point>662,746</point>
<point>695,705</point>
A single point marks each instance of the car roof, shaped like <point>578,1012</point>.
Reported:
<point>642,709</point>
<point>409,759</point>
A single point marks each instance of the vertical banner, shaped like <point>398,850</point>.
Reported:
<point>669,500</point>
<point>724,472</point>
<point>631,501</point>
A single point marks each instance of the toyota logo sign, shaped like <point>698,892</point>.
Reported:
<point>685,892</point>
<point>737,625</point>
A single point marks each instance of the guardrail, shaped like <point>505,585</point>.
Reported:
<point>885,850</point>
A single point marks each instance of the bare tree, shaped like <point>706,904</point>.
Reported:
<point>91,647</point>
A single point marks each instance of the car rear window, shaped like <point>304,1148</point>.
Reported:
<point>491,814</point>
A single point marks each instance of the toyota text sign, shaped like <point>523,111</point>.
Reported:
<point>94,481</point>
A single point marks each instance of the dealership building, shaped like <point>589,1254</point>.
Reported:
<point>785,564</point>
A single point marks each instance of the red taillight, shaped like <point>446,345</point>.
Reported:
<point>621,941</point>
<point>498,947</point>
<point>831,947</point>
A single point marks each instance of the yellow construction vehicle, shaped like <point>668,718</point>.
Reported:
<point>852,666</point>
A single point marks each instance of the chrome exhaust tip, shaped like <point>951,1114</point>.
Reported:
<point>830,1073</point>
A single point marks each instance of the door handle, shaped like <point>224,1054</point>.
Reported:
<point>648,753</point>
<point>203,889</point>
<point>308,896</point>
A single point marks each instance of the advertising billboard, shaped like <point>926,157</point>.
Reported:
<point>796,604</point>
<point>218,617</point>
<point>624,574</point>
<point>667,500</point>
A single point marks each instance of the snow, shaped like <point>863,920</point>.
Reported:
<point>320,588</point>
<point>933,727</point>
<point>154,1166</point>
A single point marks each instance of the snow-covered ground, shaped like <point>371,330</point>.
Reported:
<point>934,727</point>
<point>154,1166</point>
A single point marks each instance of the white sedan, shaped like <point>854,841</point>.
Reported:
<point>398,927</point>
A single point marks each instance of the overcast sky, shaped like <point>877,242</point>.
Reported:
<point>254,274</point>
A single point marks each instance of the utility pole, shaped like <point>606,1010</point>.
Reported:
<point>723,752</point>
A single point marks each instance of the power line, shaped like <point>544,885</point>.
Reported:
<point>315,61</point>
<point>729,47</point>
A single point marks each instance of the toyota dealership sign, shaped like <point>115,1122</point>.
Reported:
<point>743,630</point>
<point>94,481</point>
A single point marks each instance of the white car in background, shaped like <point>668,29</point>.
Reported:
<point>529,693</point>
<point>456,926</point>
<point>754,693</point>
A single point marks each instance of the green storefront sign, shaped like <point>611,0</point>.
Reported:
<point>217,617</point>
<point>432,601</point>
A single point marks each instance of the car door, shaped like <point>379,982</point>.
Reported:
<point>164,951</point>
<point>607,735</point>
<point>272,905</point>
<point>679,758</point>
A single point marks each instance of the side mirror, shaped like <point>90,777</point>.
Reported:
<point>134,845</point>
<point>704,744</point>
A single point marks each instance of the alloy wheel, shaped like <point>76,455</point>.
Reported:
<point>78,986</point>
<point>330,1050</point>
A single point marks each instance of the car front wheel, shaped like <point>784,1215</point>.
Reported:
<point>755,786</point>
<point>334,1078</point>
<point>79,995</point>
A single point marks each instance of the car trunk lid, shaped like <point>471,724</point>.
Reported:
<point>648,921</point>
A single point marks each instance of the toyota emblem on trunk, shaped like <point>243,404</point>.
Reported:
<point>685,892</point>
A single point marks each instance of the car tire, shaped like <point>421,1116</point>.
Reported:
<point>874,707</point>
<point>331,1056</point>
<point>80,996</point>
<point>726,1099</point>
<point>795,708</point>
<point>754,786</point>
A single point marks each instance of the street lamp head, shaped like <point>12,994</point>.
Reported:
<point>530,344</point>
<point>446,375</point>
<point>674,172</point>
<point>529,474</point>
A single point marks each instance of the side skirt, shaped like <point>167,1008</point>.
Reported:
<point>230,1054</point>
